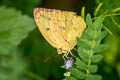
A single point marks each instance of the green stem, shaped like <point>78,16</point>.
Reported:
<point>113,20</point>
<point>34,76</point>
<point>90,55</point>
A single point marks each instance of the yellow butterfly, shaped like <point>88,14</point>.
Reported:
<point>59,28</point>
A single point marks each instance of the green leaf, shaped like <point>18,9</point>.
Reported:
<point>78,74</point>
<point>96,58</point>
<point>93,68</point>
<point>70,78</point>
<point>101,35</point>
<point>84,55</point>
<point>83,12</point>
<point>99,48</point>
<point>116,23</point>
<point>115,10</point>
<point>9,65</point>
<point>89,22</point>
<point>97,9</point>
<point>87,36</point>
<point>14,27</point>
<point>108,30</point>
<point>83,44</point>
<point>98,23</point>
<point>81,64</point>
<point>94,77</point>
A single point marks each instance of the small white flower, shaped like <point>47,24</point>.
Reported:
<point>67,74</point>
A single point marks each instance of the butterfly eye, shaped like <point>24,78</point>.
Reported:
<point>47,29</point>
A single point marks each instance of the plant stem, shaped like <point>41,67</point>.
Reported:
<point>33,75</point>
<point>90,55</point>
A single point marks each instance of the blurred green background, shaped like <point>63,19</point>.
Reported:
<point>26,55</point>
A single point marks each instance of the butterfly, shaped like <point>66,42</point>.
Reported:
<point>59,28</point>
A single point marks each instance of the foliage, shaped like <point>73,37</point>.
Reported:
<point>12,67</point>
<point>28,5</point>
<point>111,22</point>
<point>14,27</point>
<point>111,56</point>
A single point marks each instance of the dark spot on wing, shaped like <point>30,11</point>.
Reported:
<point>47,29</point>
<point>62,27</point>
<point>67,41</point>
<point>49,19</point>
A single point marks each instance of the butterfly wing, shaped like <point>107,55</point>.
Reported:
<point>69,27</point>
<point>48,24</point>
<point>43,22</point>
<point>73,28</point>
<point>60,28</point>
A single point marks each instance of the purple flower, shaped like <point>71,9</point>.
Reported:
<point>68,64</point>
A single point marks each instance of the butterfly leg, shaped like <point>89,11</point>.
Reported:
<point>72,54</point>
<point>75,49</point>
<point>67,55</point>
<point>64,57</point>
<point>69,58</point>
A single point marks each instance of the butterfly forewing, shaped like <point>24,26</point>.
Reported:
<point>43,23</point>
